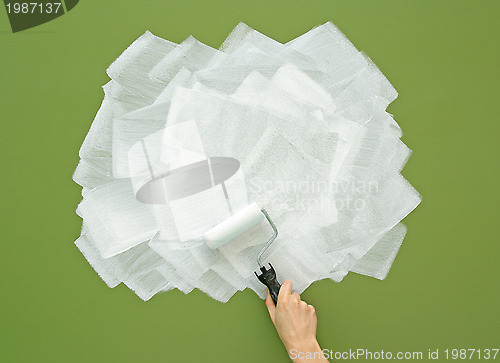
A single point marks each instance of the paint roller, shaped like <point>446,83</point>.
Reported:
<point>235,225</point>
<point>193,178</point>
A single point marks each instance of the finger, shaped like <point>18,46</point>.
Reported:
<point>270,306</point>
<point>312,310</point>
<point>285,291</point>
<point>295,296</point>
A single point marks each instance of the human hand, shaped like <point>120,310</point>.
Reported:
<point>295,322</point>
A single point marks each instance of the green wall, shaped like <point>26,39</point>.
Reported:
<point>443,289</point>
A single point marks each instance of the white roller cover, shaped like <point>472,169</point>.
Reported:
<point>233,226</point>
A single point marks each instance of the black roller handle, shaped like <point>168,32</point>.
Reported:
<point>268,278</point>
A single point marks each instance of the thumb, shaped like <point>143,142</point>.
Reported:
<point>270,306</point>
